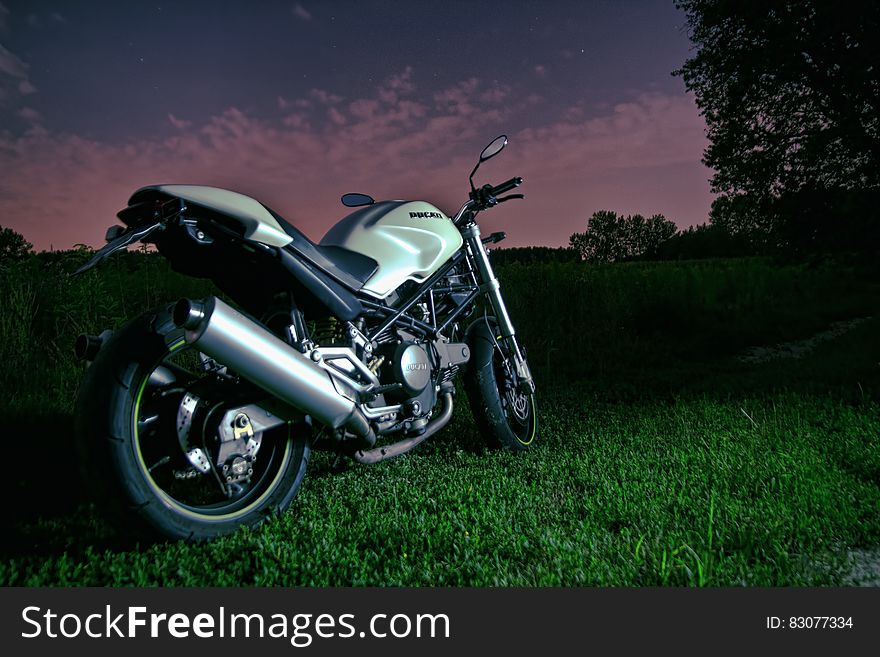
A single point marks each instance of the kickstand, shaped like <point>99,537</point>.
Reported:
<point>340,464</point>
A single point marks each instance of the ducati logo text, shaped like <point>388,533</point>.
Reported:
<point>425,215</point>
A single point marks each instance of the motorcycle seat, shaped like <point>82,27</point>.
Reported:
<point>260,223</point>
<point>350,268</point>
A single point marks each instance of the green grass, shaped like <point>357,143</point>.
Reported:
<point>687,468</point>
<point>685,492</point>
<point>594,320</point>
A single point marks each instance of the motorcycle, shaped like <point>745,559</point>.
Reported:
<point>199,417</point>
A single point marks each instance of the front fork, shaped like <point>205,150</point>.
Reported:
<point>490,286</point>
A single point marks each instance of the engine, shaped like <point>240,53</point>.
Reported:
<point>409,371</point>
<point>412,369</point>
<point>405,370</point>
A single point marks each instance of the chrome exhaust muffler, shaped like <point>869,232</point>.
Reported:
<point>238,342</point>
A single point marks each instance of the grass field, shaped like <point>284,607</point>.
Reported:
<point>663,459</point>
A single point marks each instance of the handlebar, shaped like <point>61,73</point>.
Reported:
<point>487,195</point>
<point>514,182</point>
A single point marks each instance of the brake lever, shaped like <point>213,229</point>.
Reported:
<point>509,197</point>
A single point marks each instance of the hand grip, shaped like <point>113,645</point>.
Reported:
<point>514,182</point>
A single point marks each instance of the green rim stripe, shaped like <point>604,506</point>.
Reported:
<point>534,425</point>
<point>171,502</point>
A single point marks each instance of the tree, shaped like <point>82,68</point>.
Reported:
<point>658,230</point>
<point>603,240</point>
<point>790,94</point>
<point>13,246</point>
<point>705,241</point>
<point>611,237</point>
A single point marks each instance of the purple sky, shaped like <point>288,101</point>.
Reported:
<point>296,103</point>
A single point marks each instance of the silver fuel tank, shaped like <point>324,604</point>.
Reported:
<point>409,239</point>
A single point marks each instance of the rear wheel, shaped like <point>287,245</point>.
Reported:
<point>148,417</point>
<point>506,417</point>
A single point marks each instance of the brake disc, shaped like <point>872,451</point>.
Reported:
<point>195,455</point>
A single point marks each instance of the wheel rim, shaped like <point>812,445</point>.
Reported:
<point>199,498</point>
<point>519,408</point>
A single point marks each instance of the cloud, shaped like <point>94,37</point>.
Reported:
<point>14,81</point>
<point>497,93</point>
<point>651,130</point>
<point>301,12</point>
<point>642,155</point>
<point>540,70</point>
<point>4,18</point>
<point>336,116</point>
<point>297,121</point>
<point>180,124</point>
<point>458,99</point>
<point>11,65</point>
<point>325,97</point>
<point>397,85</point>
<point>299,103</point>
<point>38,21</point>
<point>30,115</point>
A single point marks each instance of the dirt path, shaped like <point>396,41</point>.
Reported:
<point>864,564</point>
<point>865,568</point>
<point>798,348</point>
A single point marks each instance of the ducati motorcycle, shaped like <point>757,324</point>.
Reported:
<point>199,417</point>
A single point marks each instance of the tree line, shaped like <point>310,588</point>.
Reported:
<point>613,237</point>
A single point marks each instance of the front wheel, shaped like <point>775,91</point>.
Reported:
<point>145,401</point>
<point>505,416</point>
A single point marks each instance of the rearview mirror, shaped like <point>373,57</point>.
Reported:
<point>356,200</point>
<point>494,148</point>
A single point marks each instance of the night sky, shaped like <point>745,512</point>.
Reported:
<point>296,103</point>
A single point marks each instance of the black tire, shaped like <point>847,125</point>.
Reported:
<point>110,407</point>
<point>506,419</point>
